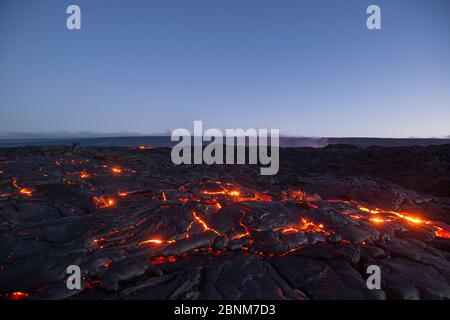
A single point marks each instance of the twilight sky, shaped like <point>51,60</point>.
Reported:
<point>307,67</point>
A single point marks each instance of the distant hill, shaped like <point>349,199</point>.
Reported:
<point>384,142</point>
<point>165,141</point>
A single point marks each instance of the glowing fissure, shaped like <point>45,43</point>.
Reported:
<point>441,230</point>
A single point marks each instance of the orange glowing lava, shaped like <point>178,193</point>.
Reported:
<point>14,183</point>
<point>203,223</point>
<point>409,218</point>
<point>443,233</point>
<point>145,147</point>
<point>26,192</point>
<point>289,230</point>
<point>234,193</point>
<point>156,241</point>
<point>406,217</point>
<point>199,220</point>
<point>84,175</point>
<point>107,264</point>
<point>307,226</point>
<point>102,202</point>
<point>369,210</point>
<point>213,193</point>
<point>16,295</point>
<point>116,170</point>
<point>159,260</point>
<point>378,220</point>
<point>311,226</point>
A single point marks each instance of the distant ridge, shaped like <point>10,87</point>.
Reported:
<point>165,141</point>
<point>389,142</point>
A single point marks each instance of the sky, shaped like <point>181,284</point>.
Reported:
<point>306,67</point>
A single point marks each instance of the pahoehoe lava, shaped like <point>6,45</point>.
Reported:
<point>141,227</point>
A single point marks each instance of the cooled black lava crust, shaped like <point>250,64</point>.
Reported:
<point>140,227</point>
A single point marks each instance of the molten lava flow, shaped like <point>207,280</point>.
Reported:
<point>26,191</point>
<point>263,197</point>
<point>203,223</point>
<point>116,170</point>
<point>289,230</point>
<point>15,295</point>
<point>84,175</point>
<point>443,233</point>
<point>214,193</point>
<point>398,214</point>
<point>378,220</point>
<point>227,191</point>
<point>306,226</point>
<point>160,260</point>
<point>156,241</point>
<point>106,264</point>
<point>440,230</point>
<point>199,220</point>
<point>364,209</point>
<point>143,147</point>
<point>14,183</point>
<point>234,193</point>
<point>409,218</point>
<point>102,202</point>
<point>298,196</point>
<point>311,226</point>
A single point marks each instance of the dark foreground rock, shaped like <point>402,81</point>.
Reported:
<point>140,227</point>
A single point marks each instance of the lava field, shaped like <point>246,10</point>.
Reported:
<point>140,227</point>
